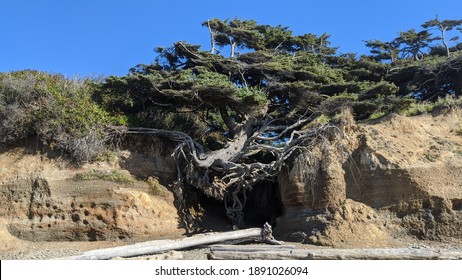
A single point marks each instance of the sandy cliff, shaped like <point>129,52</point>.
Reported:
<point>384,180</point>
<point>381,183</point>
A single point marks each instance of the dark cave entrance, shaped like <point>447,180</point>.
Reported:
<point>263,205</point>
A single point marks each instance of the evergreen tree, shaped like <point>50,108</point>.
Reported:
<point>443,26</point>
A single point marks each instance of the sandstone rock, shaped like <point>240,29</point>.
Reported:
<point>42,201</point>
<point>395,177</point>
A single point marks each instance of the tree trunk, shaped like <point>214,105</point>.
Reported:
<point>212,38</point>
<point>251,248</point>
<point>200,158</point>
<point>233,49</point>
<point>443,39</point>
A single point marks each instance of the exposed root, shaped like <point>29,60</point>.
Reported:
<point>229,173</point>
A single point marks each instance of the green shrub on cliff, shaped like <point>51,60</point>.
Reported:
<point>109,175</point>
<point>58,110</point>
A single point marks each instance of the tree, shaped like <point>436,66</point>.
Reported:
<point>429,79</point>
<point>238,119</point>
<point>383,50</point>
<point>443,26</point>
<point>234,33</point>
<point>412,43</point>
<point>247,34</point>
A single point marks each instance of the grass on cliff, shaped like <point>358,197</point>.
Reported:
<point>418,108</point>
<point>110,175</point>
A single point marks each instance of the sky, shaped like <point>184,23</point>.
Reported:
<point>98,38</point>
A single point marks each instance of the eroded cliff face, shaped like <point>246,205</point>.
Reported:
<point>368,186</point>
<point>393,177</point>
<point>46,199</point>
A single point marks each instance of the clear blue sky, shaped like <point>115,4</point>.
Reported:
<point>107,37</point>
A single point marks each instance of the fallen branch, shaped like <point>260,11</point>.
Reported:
<point>152,247</point>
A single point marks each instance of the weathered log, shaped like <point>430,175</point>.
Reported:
<point>153,247</point>
<point>250,248</point>
<point>385,254</point>
<point>291,254</point>
<point>266,253</point>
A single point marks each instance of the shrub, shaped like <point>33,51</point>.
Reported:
<point>422,107</point>
<point>418,108</point>
<point>448,101</point>
<point>16,113</point>
<point>58,110</point>
<point>321,119</point>
<point>377,115</point>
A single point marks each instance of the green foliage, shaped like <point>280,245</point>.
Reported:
<point>110,175</point>
<point>334,103</point>
<point>448,101</point>
<point>252,95</point>
<point>413,43</point>
<point>211,79</point>
<point>377,115</point>
<point>418,108</point>
<point>247,34</point>
<point>321,119</point>
<point>58,110</point>
<point>383,50</point>
<point>443,26</point>
<point>108,156</point>
<point>374,90</point>
<point>416,45</point>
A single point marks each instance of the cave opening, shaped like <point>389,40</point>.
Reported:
<point>263,205</point>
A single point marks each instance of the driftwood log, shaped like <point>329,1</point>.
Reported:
<point>152,247</point>
<point>233,252</point>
